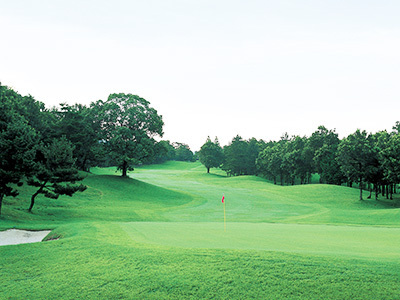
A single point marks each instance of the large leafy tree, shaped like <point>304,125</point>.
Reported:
<point>55,173</point>
<point>163,151</point>
<point>77,123</point>
<point>252,151</point>
<point>390,160</point>
<point>129,126</point>
<point>236,160</point>
<point>37,116</point>
<point>269,161</point>
<point>355,155</point>
<point>17,141</point>
<point>327,165</point>
<point>323,144</point>
<point>183,152</point>
<point>211,154</point>
<point>376,174</point>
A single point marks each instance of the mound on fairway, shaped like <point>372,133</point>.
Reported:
<point>108,197</point>
<point>253,199</point>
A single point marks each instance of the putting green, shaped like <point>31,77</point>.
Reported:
<point>375,243</point>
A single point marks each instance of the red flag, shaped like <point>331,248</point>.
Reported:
<point>223,198</point>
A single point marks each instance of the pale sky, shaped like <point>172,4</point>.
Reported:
<point>213,67</point>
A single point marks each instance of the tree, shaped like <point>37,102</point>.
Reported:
<point>163,151</point>
<point>235,157</point>
<point>55,173</point>
<point>252,151</point>
<point>376,175</point>
<point>129,126</point>
<point>327,165</point>
<point>17,140</point>
<point>37,116</point>
<point>183,152</point>
<point>77,123</point>
<point>211,154</point>
<point>355,156</point>
<point>390,160</point>
<point>269,161</point>
<point>323,144</point>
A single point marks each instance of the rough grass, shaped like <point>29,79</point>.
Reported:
<point>159,235</point>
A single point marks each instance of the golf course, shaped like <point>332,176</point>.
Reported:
<point>160,234</point>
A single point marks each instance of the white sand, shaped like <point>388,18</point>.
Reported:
<point>16,236</point>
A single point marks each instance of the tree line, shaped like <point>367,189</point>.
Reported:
<point>47,147</point>
<point>369,160</point>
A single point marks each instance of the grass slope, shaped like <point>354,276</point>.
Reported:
<point>160,236</point>
<point>252,199</point>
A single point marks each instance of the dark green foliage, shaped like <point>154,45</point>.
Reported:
<point>183,152</point>
<point>211,154</point>
<point>356,157</point>
<point>269,161</point>
<point>163,151</point>
<point>252,151</point>
<point>78,124</point>
<point>323,145</point>
<point>240,157</point>
<point>294,162</point>
<point>298,158</point>
<point>128,125</point>
<point>17,140</point>
<point>55,173</point>
<point>235,156</point>
<point>389,161</point>
<point>287,159</point>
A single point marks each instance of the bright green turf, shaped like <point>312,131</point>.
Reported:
<point>160,235</point>
<point>375,243</point>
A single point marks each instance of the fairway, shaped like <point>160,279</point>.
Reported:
<point>339,241</point>
<point>160,235</point>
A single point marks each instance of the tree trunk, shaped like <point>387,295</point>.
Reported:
<point>376,192</point>
<point>83,167</point>
<point>387,191</point>
<point>370,191</point>
<point>208,170</point>
<point>391,192</point>
<point>274,179</point>
<point>124,168</point>
<point>34,196</point>
<point>361,198</point>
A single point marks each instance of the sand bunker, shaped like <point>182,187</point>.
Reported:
<point>16,236</point>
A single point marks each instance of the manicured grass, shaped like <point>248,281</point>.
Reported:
<point>252,199</point>
<point>160,235</point>
<point>375,243</point>
<point>99,260</point>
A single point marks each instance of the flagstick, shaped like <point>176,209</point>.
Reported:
<point>224,218</point>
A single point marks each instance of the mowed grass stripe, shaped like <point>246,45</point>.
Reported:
<point>345,241</point>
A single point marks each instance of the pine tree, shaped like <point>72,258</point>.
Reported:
<point>55,172</point>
